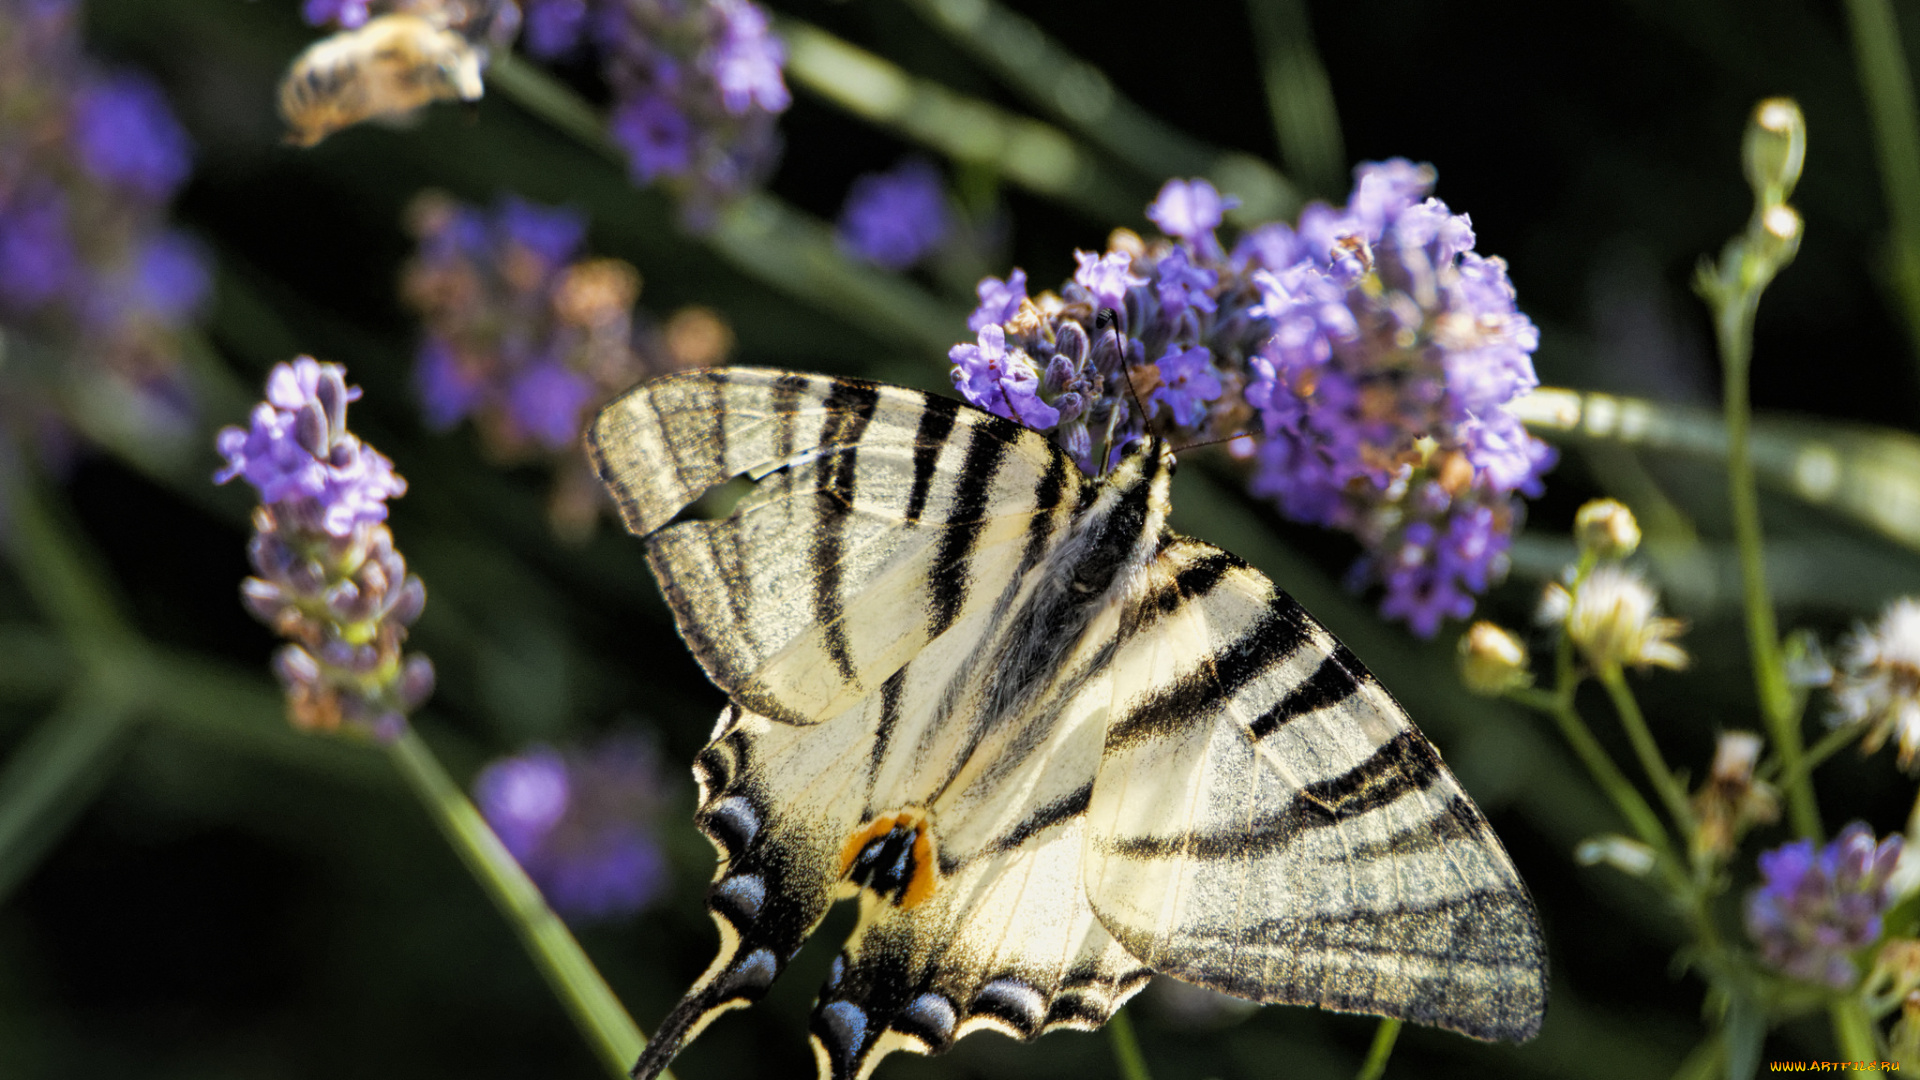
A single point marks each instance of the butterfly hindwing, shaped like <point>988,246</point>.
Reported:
<point>1267,822</point>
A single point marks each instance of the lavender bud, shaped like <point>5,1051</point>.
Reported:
<point>310,430</point>
<point>1060,372</point>
<point>416,681</point>
<point>345,601</point>
<point>263,600</point>
<point>331,394</point>
<point>1070,340</point>
<point>1071,405</point>
<point>295,666</point>
<point>307,577</point>
<point>408,602</point>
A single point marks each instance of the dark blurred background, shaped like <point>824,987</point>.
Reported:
<point>268,907</point>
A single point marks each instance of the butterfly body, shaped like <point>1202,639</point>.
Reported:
<point>1049,744</point>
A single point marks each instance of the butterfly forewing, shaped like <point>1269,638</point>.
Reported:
<point>879,515</point>
<point>1268,823</point>
<point>1048,744</point>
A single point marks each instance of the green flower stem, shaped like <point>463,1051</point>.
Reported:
<point>1734,307</point>
<point>1853,1031</point>
<point>48,779</point>
<point>1299,97</point>
<point>599,1015</point>
<point>1080,96</point>
<point>1126,1047</point>
<point>1033,155</point>
<point>1632,806</point>
<point>61,572</point>
<point>760,234</point>
<point>1888,88</point>
<point>1651,760</point>
<point>1830,744</point>
<point>1380,1051</point>
<point>1866,473</point>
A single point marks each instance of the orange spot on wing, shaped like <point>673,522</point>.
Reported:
<point>925,857</point>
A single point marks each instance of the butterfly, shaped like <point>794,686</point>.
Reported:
<point>1051,746</point>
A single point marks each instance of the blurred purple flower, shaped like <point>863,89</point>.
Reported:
<point>547,401</point>
<point>38,261</point>
<point>127,137</point>
<point>697,86</point>
<point>747,60</point>
<point>581,824</point>
<point>343,13</point>
<point>88,159</point>
<point>449,393</point>
<point>1816,907</point>
<point>555,28</point>
<point>895,219</point>
<point>658,140</point>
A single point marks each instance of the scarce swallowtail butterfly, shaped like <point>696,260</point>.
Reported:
<point>1050,745</point>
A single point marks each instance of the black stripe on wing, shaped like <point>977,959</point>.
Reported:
<point>935,428</point>
<point>1274,638</point>
<point>1403,765</point>
<point>966,520</point>
<point>1336,679</point>
<point>850,407</point>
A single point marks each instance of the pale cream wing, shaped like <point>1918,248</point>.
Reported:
<point>880,517</point>
<point>1267,822</point>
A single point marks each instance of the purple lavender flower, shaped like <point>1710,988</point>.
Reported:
<point>999,300</point>
<point>297,451</point>
<point>1373,350</point>
<point>1187,384</point>
<point>580,824</point>
<point>1189,209</point>
<point>127,138</point>
<point>1815,908</point>
<point>329,577</point>
<point>895,219</point>
<point>1106,278</point>
<point>990,377</point>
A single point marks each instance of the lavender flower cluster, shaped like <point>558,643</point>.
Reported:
<point>89,160</point>
<point>528,337</point>
<point>1816,907</point>
<point>581,824</point>
<point>1370,349</point>
<point>329,577</point>
<point>697,87</point>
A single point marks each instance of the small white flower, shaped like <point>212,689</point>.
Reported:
<point>1878,683</point>
<point>1614,618</point>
